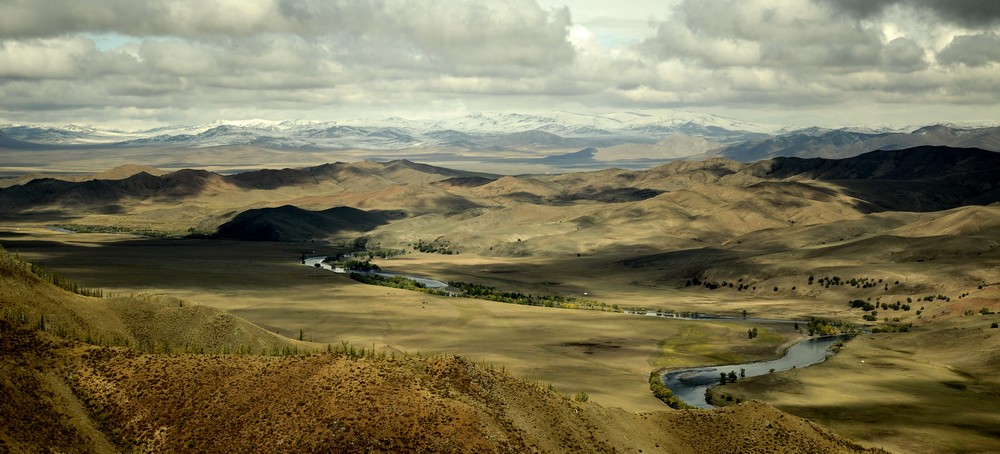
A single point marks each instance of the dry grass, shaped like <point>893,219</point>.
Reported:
<point>73,398</point>
<point>933,389</point>
<point>524,235</point>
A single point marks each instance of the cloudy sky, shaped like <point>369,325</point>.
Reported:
<point>131,64</point>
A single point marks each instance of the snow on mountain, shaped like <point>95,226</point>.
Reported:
<point>484,130</point>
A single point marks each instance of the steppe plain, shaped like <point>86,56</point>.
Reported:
<point>631,239</point>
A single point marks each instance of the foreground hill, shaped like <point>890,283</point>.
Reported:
<point>70,396</point>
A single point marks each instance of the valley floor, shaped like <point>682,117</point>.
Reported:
<point>607,355</point>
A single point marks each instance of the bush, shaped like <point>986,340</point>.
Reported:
<point>581,397</point>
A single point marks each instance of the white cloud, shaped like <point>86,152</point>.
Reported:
<point>195,60</point>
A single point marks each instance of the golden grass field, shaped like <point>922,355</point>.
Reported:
<point>528,234</point>
<point>64,395</point>
<point>607,355</point>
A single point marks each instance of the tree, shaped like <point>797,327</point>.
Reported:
<point>731,376</point>
<point>743,373</point>
<point>722,378</point>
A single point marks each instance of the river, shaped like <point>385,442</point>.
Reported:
<point>430,283</point>
<point>690,385</point>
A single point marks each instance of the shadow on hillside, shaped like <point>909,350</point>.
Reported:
<point>180,264</point>
<point>291,223</point>
<point>43,217</point>
<point>965,412</point>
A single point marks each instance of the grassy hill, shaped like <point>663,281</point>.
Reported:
<point>784,238</point>
<point>71,396</point>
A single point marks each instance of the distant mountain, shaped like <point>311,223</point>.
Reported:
<point>584,156</point>
<point>10,143</point>
<point>845,143</point>
<point>489,130</point>
<point>632,139</point>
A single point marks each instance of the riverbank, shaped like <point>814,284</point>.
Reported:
<point>692,384</point>
<point>920,391</point>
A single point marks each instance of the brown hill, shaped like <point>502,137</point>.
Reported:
<point>916,179</point>
<point>141,321</point>
<point>124,171</point>
<point>340,402</point>
<point>290,223</point>
<point>69,396</point>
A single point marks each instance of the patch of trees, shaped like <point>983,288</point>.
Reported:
<point>438,246</point>
<point>353,264</point>
<point>865,305</point>
<point>702,281</point>
<point>660,391</point>
<point>983,311</point>
<point>830,327</point>
<point>893,328</point>
<point>752,333</point>
<point>826,282</point>
<point>146,232</point>
<point>15,262</point>
<point>394,282</point>
<point>731,377</point>
<point>484,292</point>
<point>873,307</point>
<point>727,397</point>
<point>857,282</point>
<point>385,253</point>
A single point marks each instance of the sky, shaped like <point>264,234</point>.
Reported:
<point>135,64</point>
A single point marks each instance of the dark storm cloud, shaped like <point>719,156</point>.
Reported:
<point>972,50</point>
<point>720,33</point>
<point>970,13</point>
<point>515,32</point>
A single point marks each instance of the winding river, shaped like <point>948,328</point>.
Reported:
<point>690,384</point>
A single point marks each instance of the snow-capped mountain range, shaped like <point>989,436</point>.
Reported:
<point>480,130</point>
<point>647,136</point>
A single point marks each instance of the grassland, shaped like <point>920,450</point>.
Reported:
<point>607,355</point>
<point>69,396</point>
<point>743,243</point>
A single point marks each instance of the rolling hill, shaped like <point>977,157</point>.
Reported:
<point>65,389</point>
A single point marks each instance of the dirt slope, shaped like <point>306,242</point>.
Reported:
<point>63,395</point>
